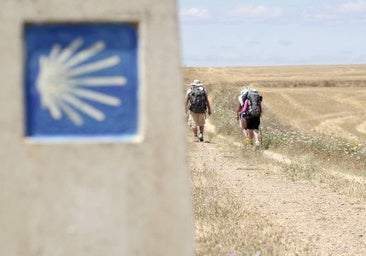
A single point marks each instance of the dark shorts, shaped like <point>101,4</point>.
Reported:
<point>253,123</point>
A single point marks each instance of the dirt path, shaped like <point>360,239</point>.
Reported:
<point>317,219</point>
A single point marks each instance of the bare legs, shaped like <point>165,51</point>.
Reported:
<point>245,131</point>
<point>198,137</point>
<point>249,134</point>
<point>254,134</point>
<point>195,130</point>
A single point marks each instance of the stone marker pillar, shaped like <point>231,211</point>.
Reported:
<point>92,142</point>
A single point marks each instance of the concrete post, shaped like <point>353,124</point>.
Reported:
<point>92,142</point>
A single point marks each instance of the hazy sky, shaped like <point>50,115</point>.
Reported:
<point>272,32</point>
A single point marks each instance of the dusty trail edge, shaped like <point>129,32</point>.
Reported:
<point>314,216</point>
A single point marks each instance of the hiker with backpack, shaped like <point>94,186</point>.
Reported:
<point>248,112</point>
<point>197,104</point>
<point>240,116</point>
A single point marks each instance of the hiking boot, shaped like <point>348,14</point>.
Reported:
<point>257,144</point>
<point>196,139</point>
<point>200,136</point>
<point>247,141</point>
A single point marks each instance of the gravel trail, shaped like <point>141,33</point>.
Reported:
<point>315,217</point>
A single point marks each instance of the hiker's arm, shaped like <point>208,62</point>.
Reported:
<point>186,104</point>
<point>208,107</point>
<point>238,111</point>
<point>260,105</point>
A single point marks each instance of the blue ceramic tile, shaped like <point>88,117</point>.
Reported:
<point>81,80</point>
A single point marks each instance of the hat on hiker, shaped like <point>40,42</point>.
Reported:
<point>245,90</point>
<point>252,86</point>
<point>196,82</point>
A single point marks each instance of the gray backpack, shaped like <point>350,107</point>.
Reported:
<point>197,99</point>
<point>254,99</point>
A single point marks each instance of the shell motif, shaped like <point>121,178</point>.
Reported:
<point>65,81</point>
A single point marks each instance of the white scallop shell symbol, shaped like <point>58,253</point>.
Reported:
<point>61,88</point>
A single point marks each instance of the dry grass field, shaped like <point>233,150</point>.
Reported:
<point>337,111</point>
<point>314,121</point>
<point>325,99</point>
<point>279,76</point>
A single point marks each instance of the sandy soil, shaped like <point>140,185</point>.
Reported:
<point>316,219</point>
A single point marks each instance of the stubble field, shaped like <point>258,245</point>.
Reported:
<point>321,99</point>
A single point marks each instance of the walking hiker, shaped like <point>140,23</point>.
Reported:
<point>249,112</point>
<point>241,116</point>
<point>197,104</point>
